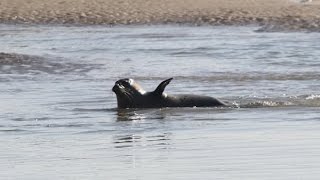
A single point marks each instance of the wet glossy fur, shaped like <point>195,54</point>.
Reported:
<point>131,95</point>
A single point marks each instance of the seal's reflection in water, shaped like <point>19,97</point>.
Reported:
<point>141,114</point>
<point>138,124</point>
<point>138,135</point>
<point>135,149</point>
<point>160,140</point>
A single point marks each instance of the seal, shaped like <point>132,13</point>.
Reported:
<point>131,95</point>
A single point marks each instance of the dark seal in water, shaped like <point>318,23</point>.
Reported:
<point>131,95</point>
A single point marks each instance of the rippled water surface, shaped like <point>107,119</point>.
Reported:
<point>58,116</point>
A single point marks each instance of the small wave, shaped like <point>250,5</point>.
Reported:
<point>297,101</point>
<point>95,110</point>
<point>312,96</point>
<point>12,130</point>
<point>69,125</point>
<point>12,63</point>
<point>152,36</point>
<point>96,131</point>
<point>265,103</point>
<point>22,119</point>
<point>312,100</point>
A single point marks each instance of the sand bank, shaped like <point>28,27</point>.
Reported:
<point>289,13</point>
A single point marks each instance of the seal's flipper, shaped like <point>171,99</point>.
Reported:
<point>161,87</point>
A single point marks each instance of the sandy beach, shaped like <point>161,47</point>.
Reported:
<point>290,13</point>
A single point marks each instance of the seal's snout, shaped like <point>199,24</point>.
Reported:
<point>116,88</point>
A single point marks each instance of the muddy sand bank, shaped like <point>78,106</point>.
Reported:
<point>290,14</point>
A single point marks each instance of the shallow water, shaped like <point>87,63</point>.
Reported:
<point>58,116</point>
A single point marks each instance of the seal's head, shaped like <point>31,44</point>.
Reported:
<point>131,95</point>
<point>127,91</point>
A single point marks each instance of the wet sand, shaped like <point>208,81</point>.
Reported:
<point>286,13</point>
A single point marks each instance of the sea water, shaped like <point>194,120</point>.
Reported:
<point>58,115</point>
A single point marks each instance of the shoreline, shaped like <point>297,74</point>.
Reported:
<point>287,14</point>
